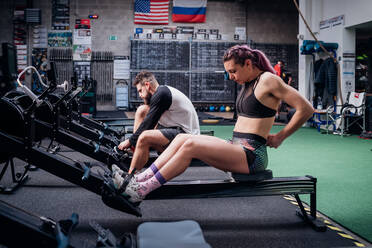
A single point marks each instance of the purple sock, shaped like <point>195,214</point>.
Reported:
<point>151,184</point>
<point>160,178</point>
<point>154,168</point>
<point>147,174</point>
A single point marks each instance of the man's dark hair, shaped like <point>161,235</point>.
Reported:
<point>145,76</point>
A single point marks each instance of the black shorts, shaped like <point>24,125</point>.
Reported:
<point>254,147</point>
<point>170,132</point>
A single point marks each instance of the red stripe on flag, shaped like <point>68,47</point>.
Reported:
<point>151,15</point>
<point>149,19</point>
<point>188,18</point>
<point>141,22</point>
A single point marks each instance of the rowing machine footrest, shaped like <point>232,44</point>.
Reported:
<point>105,237</point>
<point>64,228</point>
<point>119,154</point>
<point>259,176</point>
<point>115,200</point>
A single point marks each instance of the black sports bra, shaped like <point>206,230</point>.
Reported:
<point>249,106</point>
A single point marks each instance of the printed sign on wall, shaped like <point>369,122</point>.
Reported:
<point>82,52</point>
<point>82,48</point>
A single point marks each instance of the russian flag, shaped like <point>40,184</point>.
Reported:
<point>189,10</point>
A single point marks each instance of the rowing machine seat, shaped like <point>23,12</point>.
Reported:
<point>256,177</point>
<point>181,234</point>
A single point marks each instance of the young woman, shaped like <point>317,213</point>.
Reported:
<point>260,96</point>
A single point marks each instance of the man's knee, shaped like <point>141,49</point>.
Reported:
<point>149,137</point>
<point>142,111</point>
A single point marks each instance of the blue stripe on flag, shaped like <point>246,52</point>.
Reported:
<point>189,11</point>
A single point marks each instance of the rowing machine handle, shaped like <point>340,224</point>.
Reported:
<point>100,134</point>
<point>86,172</point>
<point>105,126</point>
<point>96,146</point>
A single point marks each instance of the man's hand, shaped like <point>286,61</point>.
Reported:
<point>274,140</point>
<point>124,145</point>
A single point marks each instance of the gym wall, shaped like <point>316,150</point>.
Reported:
<point>267,21</point>
<point>270,22</point>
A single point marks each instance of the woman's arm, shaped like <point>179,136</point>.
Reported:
<point>304,110</point>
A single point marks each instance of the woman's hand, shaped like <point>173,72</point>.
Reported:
<point>274,140</point>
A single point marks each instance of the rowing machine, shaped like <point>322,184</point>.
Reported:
<point>239,185</point>
<point>40,231</point>
<point>35,130</point>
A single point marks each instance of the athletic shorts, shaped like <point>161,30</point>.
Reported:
<point>255,149</point>
<point>170,132</point>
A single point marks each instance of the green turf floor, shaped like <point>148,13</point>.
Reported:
<point>343,166</point>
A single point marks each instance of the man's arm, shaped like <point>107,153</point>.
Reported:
<point>159,103</point>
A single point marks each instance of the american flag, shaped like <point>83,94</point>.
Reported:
<point>151,12</point>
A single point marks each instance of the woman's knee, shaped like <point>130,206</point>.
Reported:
<point>190,144</point>
<point>183,136</point>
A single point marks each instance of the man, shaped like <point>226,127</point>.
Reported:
<point>287,78</point>
<point>281,71</point>
<point>278,68</point>
<point>165,108</point>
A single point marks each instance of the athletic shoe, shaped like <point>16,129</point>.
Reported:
<point>132,191</point>
<point>116,169</point>
<point>117,179</point>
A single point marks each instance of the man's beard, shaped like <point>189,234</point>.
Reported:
<point>147,99</point>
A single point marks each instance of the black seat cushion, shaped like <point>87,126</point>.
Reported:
<point>258,176</point>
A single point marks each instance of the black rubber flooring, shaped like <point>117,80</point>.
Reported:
<point>228,222</point>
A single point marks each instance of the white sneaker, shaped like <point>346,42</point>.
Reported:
<point>116,169</point>
<point>132,188</point>
<point>118,179</point>
<point>132,191</point>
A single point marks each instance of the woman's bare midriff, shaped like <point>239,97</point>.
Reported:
<point>259,126</point>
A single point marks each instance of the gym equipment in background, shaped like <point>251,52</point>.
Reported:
<point>41,231</point>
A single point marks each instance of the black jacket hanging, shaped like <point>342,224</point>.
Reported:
<point>327,75</point>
